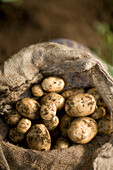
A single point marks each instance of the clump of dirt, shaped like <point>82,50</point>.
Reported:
<point>29,22</point>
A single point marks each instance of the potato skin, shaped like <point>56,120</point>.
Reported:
<point>23,125</point>
<point>37,90</point>
<point>53,84</point>
<point>67,93</point>
<point>98,113</point>
<point>61,143</point>
<point>105,125</point>
<point>52,124</point>
<point>94,92</point>
<point>79,105</point>
<point>38,138</point>
<point>14,136</point>
<point>12,118</point>
<point>48,110</point>
<point>28,108</point>
<point>65,121</point>
<point>82,130</point>
<point>56,98</point>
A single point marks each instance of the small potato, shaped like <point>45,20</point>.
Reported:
<point>100,102</point>
<point>38,138</point>
<point>52,124</point>
<point>94,92</point>
<point>56,98</point>
<point>81,104</point>
<point>37,90</point>
<point>67,93</point>
<point>14,136</point>
<point>105,125</point>
<point>61,143</point>
<point>12,118</point>
<point>65,121</point>
<point>23,125</point>
<point>98,113</point>
<point>82,130</point>
<point>28,108</point>
<point>48,110</point>
<point>53,84</point>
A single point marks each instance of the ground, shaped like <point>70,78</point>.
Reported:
<point>33,21</point>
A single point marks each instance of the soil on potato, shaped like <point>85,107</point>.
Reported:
<point>32,21</point>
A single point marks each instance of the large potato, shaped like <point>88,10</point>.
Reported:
<point>38,138</point>
<point>28,108</point>
<point>82,130</point>
<point>56,98</point>
<point>81,104</point>
<point>53,84</point>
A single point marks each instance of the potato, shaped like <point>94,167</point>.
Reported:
<point>80,105</point>
<point>48,110</point>
<point>38,138</point>
<point>94,92</point>
<point>23,125</point>
<point>82,130</point>
<point>28,108</point>
<point>98,113</point>
<point>53,84</point>
<point>67,93</point>
<point>105,125</point>
<point>37,90</point>
<point>100,102</point>
<point>64,124</point>
<point>56,98</point>
<point>61,143</point>
<point>12,118</point>
<point>14,136</point>
<point>52,124</point>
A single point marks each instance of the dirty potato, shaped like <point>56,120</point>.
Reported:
<point>48,110</point>
<point>65,121</point>
<point>67,93</point>
<point>38,138</point>
<point>37,90</point>
<point>94,92</point>
<point>56,98</point>
<point>12,118</point>
<point>14,136</point>
<point>81,104</point>
<point>53,84</point>
<point>23,125</point>
<point>82,130</point>
<point>105,125</point>
<point>28,108</point>
<point>52,124</point>
<point>98,113</point>
<point>61,143</point>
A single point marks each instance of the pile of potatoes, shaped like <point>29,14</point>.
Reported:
<point>57,119</point>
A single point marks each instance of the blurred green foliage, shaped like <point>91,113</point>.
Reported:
<point>105,51</point>
<point>9,1</point>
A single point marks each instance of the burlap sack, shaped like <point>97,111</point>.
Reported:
<point>78,69</point>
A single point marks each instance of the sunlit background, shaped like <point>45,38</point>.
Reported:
<point>26,22</point>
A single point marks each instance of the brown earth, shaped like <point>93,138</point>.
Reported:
<point>32,21</point>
